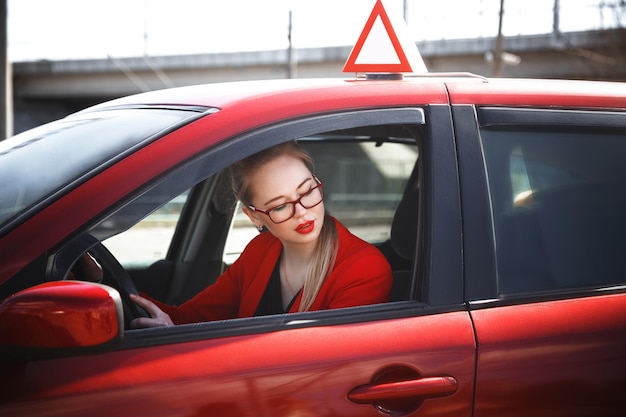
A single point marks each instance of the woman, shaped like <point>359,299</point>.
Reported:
<point>303,259</point>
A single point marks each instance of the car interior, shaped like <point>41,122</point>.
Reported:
<point>361,190</point>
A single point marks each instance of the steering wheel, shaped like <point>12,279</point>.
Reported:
<point>114,271</point>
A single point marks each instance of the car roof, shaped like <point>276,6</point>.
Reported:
<point>311,95</point>
<point>540,93</point>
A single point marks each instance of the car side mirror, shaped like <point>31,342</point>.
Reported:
<point>61,318</point>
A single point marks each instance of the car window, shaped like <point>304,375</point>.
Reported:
<point>363,183</point>
<point>558,201</point>
<point>178,236</point>
<point>154,232</point>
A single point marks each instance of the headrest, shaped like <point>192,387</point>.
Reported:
<point>404,226</point>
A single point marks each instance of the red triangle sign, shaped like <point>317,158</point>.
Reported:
<point>380,49</point>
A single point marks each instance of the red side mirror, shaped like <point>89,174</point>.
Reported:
<point>61,318</point>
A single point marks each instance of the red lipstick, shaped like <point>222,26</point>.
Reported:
<point>306,227</point>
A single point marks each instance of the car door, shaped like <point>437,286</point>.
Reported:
<point>412,357</point>
<point>548,295</point>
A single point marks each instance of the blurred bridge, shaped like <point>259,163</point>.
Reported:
<point>46,90</point>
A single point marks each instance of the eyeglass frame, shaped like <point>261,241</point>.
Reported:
<point>293,203</point>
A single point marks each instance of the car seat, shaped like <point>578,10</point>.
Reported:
<point>404,243</point>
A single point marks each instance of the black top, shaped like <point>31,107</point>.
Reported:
<point>272,300</point>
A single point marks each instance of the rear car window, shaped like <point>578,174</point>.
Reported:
<point>558,199</point>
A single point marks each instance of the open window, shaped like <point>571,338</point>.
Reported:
<point>187,230</point>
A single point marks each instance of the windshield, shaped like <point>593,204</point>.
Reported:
<point>52,158</point>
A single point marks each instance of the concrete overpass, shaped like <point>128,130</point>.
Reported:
<point>46,90</point>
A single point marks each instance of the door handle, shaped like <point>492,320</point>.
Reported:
<point>420,388</point>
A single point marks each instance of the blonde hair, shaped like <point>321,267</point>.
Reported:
<point>242,173</point>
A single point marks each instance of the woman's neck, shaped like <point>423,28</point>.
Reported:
<point>293,268</point>
<point>298,256</point>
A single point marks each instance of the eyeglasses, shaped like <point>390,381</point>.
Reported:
<point>286,211</point>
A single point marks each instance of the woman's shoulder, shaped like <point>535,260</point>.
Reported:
<point>351,245</point>
<point>358,261</point>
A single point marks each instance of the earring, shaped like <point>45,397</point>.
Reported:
<point>260,228</point>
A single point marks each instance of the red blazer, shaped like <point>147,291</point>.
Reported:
<point>361,276</point>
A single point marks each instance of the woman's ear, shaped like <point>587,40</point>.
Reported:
<point>253,217</point>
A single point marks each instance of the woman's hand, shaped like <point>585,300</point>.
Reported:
<point>158,317</point>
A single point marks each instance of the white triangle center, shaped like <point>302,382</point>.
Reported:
<point>378,48</point>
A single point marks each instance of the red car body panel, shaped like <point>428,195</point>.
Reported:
<point>573,348</point>
<point>272,373</point>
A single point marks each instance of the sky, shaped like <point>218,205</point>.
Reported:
<point>95,29</point>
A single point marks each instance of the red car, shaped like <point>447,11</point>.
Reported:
<point>499,204</point>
